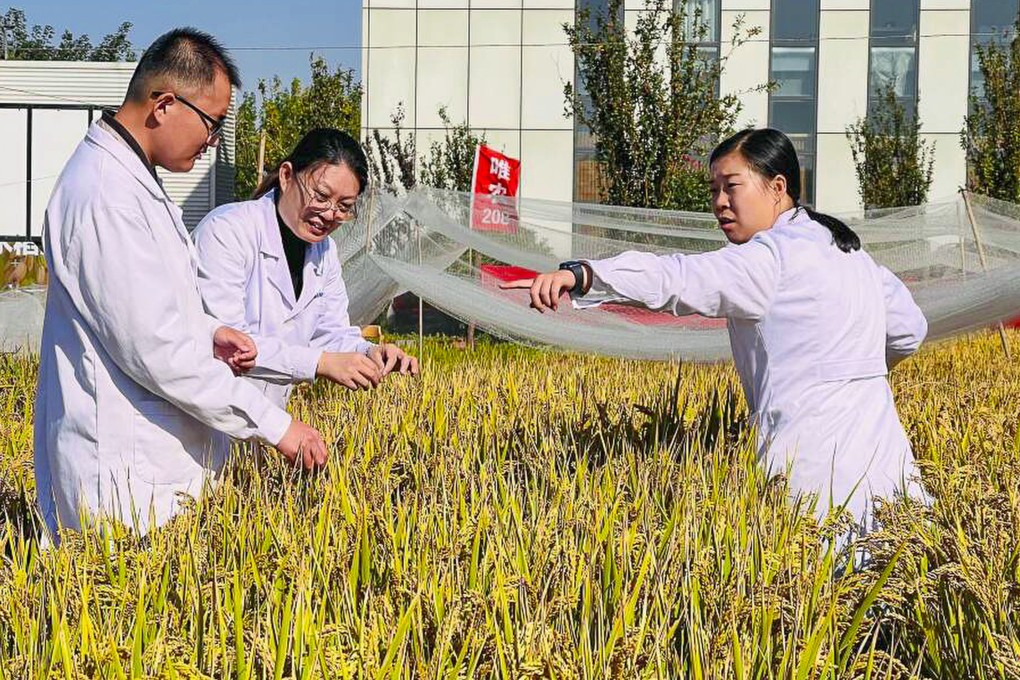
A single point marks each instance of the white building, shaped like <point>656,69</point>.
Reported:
<point>45,110</point>
<point>500,66</point>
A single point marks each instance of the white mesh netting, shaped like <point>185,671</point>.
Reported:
<point>424,242</point>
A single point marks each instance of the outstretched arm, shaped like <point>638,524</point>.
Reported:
<point>736,281</point>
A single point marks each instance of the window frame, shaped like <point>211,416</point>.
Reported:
<point>902,42</point>
<point>807,158</point>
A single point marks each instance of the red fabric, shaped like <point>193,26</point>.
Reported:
<point>501,273</point>
<point>496,180</point>
<point>494,274</point>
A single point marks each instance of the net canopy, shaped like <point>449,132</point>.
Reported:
<point>430,242</point>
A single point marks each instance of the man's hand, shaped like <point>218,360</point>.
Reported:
<point>389,357</point>
<point>546,289</point>
<point>303,446</point>
<point>353,370</point>
<point>235,349</point>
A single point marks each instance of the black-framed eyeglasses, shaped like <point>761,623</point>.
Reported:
<point>320,204</point>
<point>213,126</point>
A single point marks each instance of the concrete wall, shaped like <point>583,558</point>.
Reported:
<point>500,65</point>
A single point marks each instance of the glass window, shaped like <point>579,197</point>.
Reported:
<point>895,20</point>
<point>977,79</point>
<point>896,66</point>
<point>793,115</point>
<point>794,20</point>
<point>992,19</point>
<point>893,54</point>
<point>598,10</point>
<point>807,177</point>
<point>989,20</point>
<point>793,69</point>
<point>802,144</point>
<point>585,167</point>
<point>698,14</point>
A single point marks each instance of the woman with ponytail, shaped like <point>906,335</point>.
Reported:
<point>815,324</point>
<point>269,266</point>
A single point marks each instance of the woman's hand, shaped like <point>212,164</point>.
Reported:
<point>235,349</point>
<point>353,370</point>
<point>546,289</point>
<point>389,357</point>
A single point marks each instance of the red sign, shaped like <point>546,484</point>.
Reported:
<point>494,191</point>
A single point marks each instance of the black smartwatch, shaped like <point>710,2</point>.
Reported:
<point>577,269</point>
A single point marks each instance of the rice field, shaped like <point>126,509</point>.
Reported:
<point>518,513</point>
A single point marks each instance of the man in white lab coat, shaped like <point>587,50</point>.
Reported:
<point>137,383</point>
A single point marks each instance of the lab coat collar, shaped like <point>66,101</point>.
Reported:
<point>271,245</point>
<point>796,215</point>
<point>126,156</point>
<point>110,120</point>
<point>122,152</point>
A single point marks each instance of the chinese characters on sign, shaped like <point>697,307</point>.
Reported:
<point>496,179</point>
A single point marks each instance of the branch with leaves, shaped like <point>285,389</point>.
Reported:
<point>332,98</point>
<point>447,165</point>
<point>991,134</point>
<point>894,165</point>
<point>649,97</point>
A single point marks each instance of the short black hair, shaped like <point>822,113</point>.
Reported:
<point>184,57</point>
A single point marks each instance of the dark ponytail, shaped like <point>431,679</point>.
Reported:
<point>770,153</point>
<point>321,145</point>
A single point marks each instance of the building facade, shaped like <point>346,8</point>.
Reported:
<point>501,66</point>
<point>45,110</point>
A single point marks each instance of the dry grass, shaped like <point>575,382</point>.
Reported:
<point>516,514</point>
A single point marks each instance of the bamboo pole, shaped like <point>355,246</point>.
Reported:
<point>984,262</point>
<point>368,226</point>
<point>421,307</point>
<point>371,332</point>
<point>262,158</point>
<point>471,324</point>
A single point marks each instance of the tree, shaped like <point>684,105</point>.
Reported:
<point>650,100</point>
<point>392,160</point>
<point>991,134</point>
<point>894,166</point>
<point>448,164</point>
<point>36,43</point>
<point>331,99</point>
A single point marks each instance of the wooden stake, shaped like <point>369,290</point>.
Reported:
<point>368,227</point>
<point>262,158</point>
<point>984,262</point>
<point>421,308</point>
<point>471,324</point>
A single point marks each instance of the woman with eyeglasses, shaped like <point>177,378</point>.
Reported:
<point>268,267</point>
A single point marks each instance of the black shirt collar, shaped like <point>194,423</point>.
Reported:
<point>294,249</point>
<point>131,141</point>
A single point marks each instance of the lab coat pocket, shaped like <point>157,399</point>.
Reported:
<point>162,443</point>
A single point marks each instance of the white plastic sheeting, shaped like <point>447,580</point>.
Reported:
<point>418,242</point>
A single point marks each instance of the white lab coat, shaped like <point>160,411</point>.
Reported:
<point>130,400</point>
<point>246,284</point>
<point>811,329</point>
